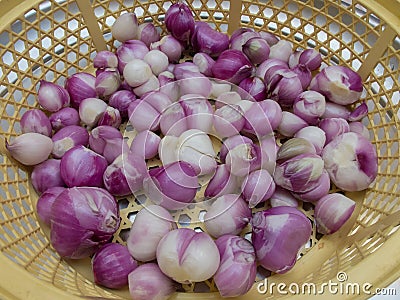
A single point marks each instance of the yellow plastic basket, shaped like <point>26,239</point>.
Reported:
<point>53,39</point>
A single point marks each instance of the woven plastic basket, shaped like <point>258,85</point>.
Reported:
<point>53,39</point>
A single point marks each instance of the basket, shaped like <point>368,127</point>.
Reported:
<point>53,39</point>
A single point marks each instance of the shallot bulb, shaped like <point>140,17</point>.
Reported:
<point>188,256</point>
<point>111,266</point>
<point>156,221</point>
<point>193,147</point>
<point>238,268</point>
<point>125,175</point>
<point>339,84</point>
<point>278,235</point>
<point>47,175</point>
<point>45,202</point>
<point>80,86</point>
<point>351,161</point>
<point>82,219</point>
<point>229,214</point>
<point>180,22</point>
<point>67,138</point>
<point>64,117</point>
<point>52,97</point>
<point>35,120</point>
<point>257,187</point>
<point>173,186</point>
<point>222,183</point>
<point>30,148</point>
<point>148,33</point>
<point>125,27</point>
<point>147,282</point>
<point>81,166</point>
<point>332,211</point>
<point>299,174</point>
<point>233,66</point>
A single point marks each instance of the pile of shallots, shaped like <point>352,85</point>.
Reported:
<point>248,90</point>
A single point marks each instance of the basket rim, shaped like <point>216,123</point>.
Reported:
<point>18,283</point>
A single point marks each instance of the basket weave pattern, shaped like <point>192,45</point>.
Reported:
<point>54,39</point>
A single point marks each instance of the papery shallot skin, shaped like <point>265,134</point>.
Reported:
<point>173,186</point>
<point>45,202</point>
<point>125,175</point>
<point>111,265</point>
<point>339,84</point>
<point>52,97</point>
<point>81,166</point>
<point>156,221</point>
<point>35,120</point>
<point>82,219</point>
<point>67,138</point>
<point>147,282</point>
<point>332,211</point>
<point>64,117</point>
<point>229,214</point>
<point>278,235</point>
<point>238,268</point>
<point>30,148</point>
<point>47,175</point>
<point>299,174</point>
<point>351,161</point>
<point>80,86</point>
<point>188,256</point>
<point>180,22</point>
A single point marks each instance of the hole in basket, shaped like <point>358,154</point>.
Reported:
<point>201,215</point>
<point>140,199</point>
<point>4,38</point>
<point>123,203</point>
<point>132,216</point>
<point>59,16</point>
<point>124,233</point>
<point>198,229</point>
<point>184,220</point>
